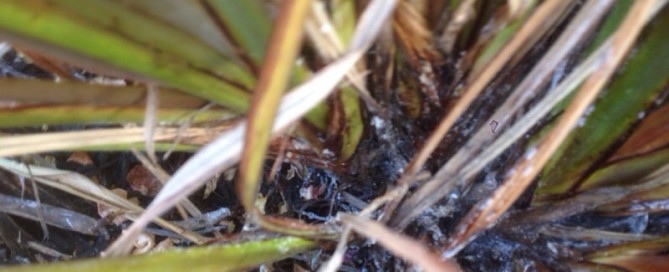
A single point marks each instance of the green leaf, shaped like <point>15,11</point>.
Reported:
<point>274,78</point>
<point>71,92</point>
<point>83,114</point>
<point>50,103</point>
<point>39,24</point>
<point>248,24</point>
<point>180,14</point>
<point>626,171</point>
<point>161,147</point>
<point>610,24</point>
<point>630,93</point>
<point>353,127</point>
<point>343,17</point>
<point>113,17</point>
<point>233,257</point>
<point>344,20</point>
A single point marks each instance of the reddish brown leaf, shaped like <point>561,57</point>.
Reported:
<point>651,134</point>
<point>141,180</point>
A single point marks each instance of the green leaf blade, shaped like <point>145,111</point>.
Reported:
<point>232,257</point>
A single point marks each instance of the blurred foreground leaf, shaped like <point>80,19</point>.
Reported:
<point>37,102</point>
<point>105,34</point>
<point>82,115</point>
<point>233,257</point>
<point>247,24</point>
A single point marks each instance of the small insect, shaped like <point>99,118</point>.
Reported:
<point>493,126</point>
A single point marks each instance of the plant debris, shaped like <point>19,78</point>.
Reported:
<point>334,135</point>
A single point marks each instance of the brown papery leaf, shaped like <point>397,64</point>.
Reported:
<point>81,158</point>
<point>142,181</point>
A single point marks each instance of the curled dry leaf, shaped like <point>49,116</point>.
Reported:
<point>142,181</point>
<point>144,243</point>
<point>81,158</point>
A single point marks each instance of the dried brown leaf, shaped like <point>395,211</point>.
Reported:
<point>142,181</point>
<point>82,158</point>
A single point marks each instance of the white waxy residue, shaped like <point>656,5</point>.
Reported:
<point>307,193</point>
<point>530,153</point>
<point>325,28</point>
<point>328,152</point>
<point>4,48</point>
<point>527,171</point>
<point>558,74</point>
<point>377,122</point>
<point>589,110</point>
<point>552,248</point>
<point>299,61</point>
